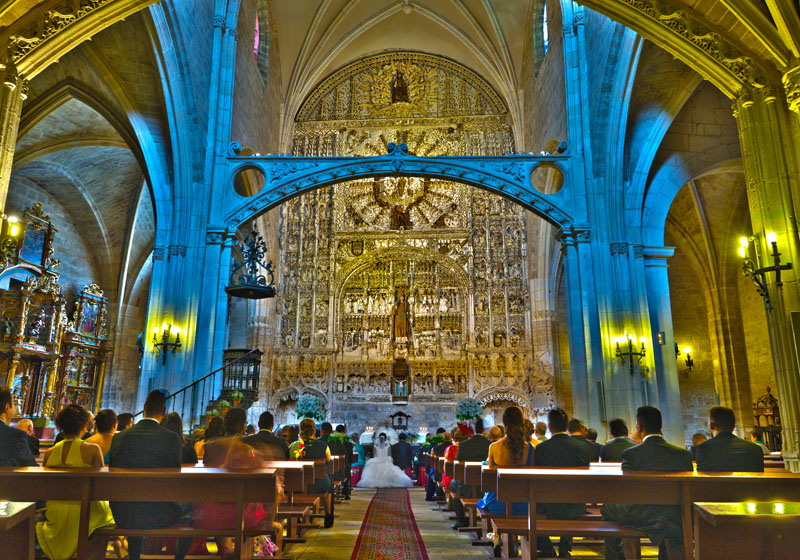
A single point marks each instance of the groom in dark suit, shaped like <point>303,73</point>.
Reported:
<point>661,524</point>
<point>14,449</point>
<point>147,446</point>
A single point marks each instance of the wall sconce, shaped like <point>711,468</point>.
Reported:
<point>170,340</point>
<point>687,360</point>
<point>9,241</point>
<point>631,352</point>
<point>758,275</point>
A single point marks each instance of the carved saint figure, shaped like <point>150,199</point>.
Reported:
<point>400,218</point>
<point>401,318</point>
<point>399,89</point>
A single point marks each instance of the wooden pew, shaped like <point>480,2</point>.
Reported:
<point>17,530</point>
<point>642,487</point>
<point>144,485</point>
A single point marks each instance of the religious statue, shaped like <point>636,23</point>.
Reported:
<point>401,318</point>
<point>400,218</point>
<point>399,89</point>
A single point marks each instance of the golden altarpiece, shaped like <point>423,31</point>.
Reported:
<point>405,290</point>
<point>45,359</point>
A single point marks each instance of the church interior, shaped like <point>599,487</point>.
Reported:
<point>385,207</point>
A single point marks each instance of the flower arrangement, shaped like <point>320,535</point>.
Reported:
<point>298,450</point>
<point>310,406</point>
<point>468,409</point>
<point>338,436</point>
<point>411,437</point>
<point>211,412</point>
<point>436,440</point>
<point>236,397</point>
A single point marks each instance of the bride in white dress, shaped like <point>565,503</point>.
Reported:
<point>381,472</point>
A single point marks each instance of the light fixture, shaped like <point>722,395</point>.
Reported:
<point>758,275</point>
<point>407,7</point>
<point>687,352</point>
<point>631,352</point>
<point>170,339</point>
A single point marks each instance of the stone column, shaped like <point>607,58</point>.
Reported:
<point>13,92</point>
<point>770,159</point>
<point>666,367</point>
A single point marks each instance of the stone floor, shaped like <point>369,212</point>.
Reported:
<point>441,542</point>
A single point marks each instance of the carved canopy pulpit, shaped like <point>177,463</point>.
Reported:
<point>400,421</point>
<point>85,352</point>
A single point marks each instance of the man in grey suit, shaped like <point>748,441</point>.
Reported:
<point>14,449</point>
<point>612,450</point>
<point>725,452</point>
<point>661,524</point>
<point>265,437</point>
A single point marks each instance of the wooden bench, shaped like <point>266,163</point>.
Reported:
<point>608,485</point>
<point>509,528</point>
<point>144,485</point>
<point>17,529</point>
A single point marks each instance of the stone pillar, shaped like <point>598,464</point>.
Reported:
<point>13,92</point>
<point>665,372</point>
<point>770,164</point>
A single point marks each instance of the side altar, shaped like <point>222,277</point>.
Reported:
<point>46,360</point>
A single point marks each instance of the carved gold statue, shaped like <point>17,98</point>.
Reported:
<point>401,318</point>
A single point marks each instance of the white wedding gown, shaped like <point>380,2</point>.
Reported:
<point>380,471</point>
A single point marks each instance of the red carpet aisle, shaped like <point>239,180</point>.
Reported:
<point>389,531</point>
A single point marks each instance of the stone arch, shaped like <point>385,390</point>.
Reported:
<point>506,176</point>
<point>508,395</point>
<point>708,52</point>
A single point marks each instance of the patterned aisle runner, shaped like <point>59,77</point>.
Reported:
<point>389,531</point>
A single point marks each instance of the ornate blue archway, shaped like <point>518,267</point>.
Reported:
<point>288,176</point>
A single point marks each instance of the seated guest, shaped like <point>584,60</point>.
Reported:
<point>147,445</point>
<point>725,452</point>
<point>475,448</point>
<point>348,454</point>
<point>266,438</point>
<point>494,434</point>
<point>661,524</point>
<point>591,435</point>
<point>612,451</point>
<point>358,465</point>
<point>58,533</point>
<point>510,451</point>
<point>540,432</point>
<point>336,446</point>
<point>637,437</point>
<point>14,448</point>
<point>697,439</point>
<point>292,434</point>
<point>250,430</point>
<point>529,431</point>
<point>105,425</point>
<point>561,450</point>
<point>231,452</point>
<point>87,435</point>
<point>309,448</point>
<point>214,430</point>
<point>577,431</point>
<point>461,432</point>
<point>26,425</point>
<point>757,437</point>
<point>174,423</point>
<point>124,421</point>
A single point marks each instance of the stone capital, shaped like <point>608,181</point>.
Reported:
<point>791,85</point>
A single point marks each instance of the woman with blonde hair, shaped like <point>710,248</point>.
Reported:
<point>309,448</point>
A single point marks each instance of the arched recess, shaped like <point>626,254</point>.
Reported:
<point>509,178</point>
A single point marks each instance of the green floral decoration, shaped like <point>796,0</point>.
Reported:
<point>338,436</point>
<point>468,409</point>
<point>310,406</point>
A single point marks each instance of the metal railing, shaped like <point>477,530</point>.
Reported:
<point>197,394</point>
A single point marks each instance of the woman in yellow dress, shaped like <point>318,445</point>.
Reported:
<point>58,534</point>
